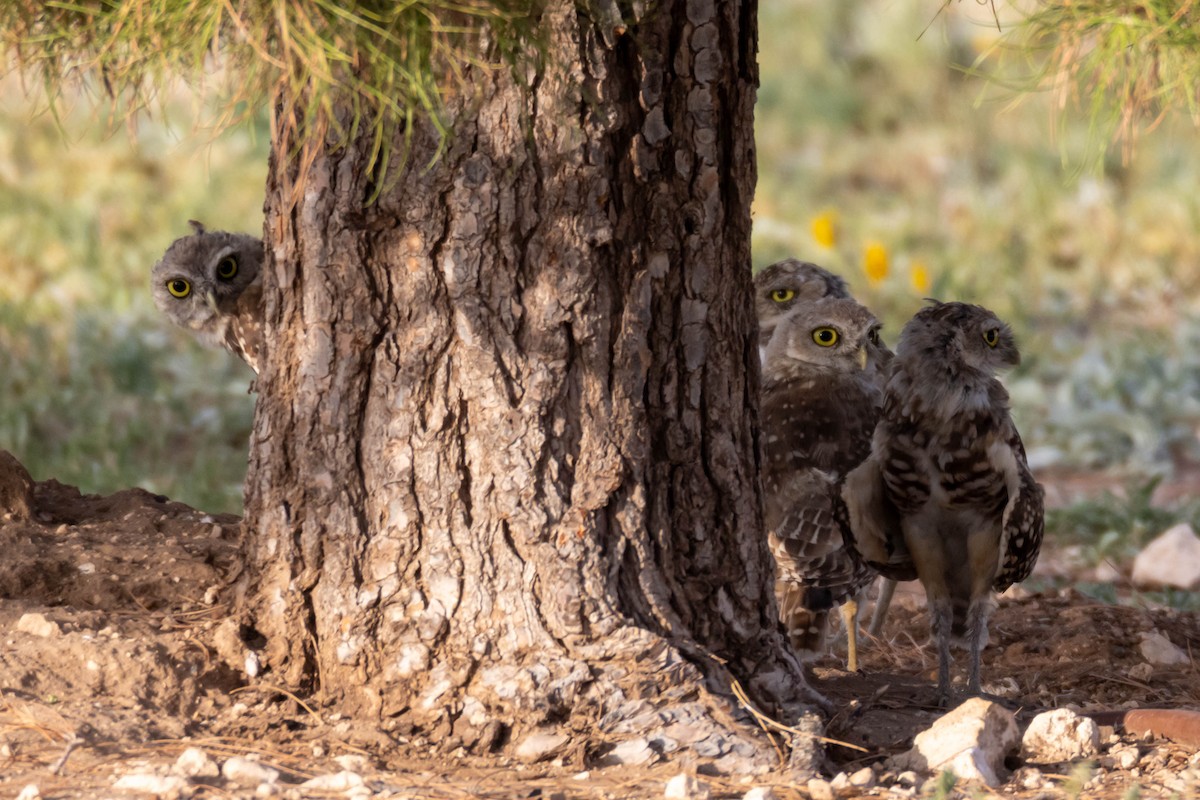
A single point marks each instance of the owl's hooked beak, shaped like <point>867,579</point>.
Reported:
<point>211,299</point>
<point>862,357</point>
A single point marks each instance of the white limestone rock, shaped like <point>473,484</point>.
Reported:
<point>687,787</point>
<point>972,740</point>
<point>1061,735</point>
<point>1160,651</point>
<point>245,772</point>
<point>1172,559</point>
<point>538,746</point>
<point>195,763</point>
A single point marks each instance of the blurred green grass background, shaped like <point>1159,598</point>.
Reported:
<point>99,391</point>
<point>870,139</point>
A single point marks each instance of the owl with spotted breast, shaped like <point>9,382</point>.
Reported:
<point>210,284</point>
<point>819,408</point>
<point>946,495</point>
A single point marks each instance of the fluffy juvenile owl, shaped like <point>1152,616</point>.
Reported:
<point>789,284</point>
<point>209,283</point>
<point>819,408</point>
<point>947,494</point>
<point>779,290</point>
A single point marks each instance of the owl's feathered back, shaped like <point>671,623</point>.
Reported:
<point>210,284</point>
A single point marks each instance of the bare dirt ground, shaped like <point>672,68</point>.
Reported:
<point>113,663</point>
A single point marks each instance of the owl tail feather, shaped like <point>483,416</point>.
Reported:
<point>805,616</point>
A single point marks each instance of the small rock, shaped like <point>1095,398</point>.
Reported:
<point>972,740</point>
<point>30,792</point>
<point>908,778</point>
<point>631,752</point>
<point>1060,735</point>
<point>1141,672</point>
<point>1031,778</point>
<point>863,779</point>
<point>1126,758</point>
<point>38,625</point>
<point>973,766</point>
<point>581,776</point>
<point>537,746</point>
<point>195,763</point>
<point>245,772</point>
<point>687,787</point>
<point>344,781</point>
<point>1172,559</point>
<point>163,786</point>
<point>761,793</point>
<point>353,762</point>
<point>819,789</point>
<point>252,664</point>
<point>1159,650</point>
<point>840,783</point>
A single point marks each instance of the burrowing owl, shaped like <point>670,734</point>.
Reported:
<point>209,283</point>
<point>819,408</point>
<point>780,289</point>
<point>789,284</point>
<point>947,492</point>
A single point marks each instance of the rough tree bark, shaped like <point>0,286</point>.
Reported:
<point>504,469</point>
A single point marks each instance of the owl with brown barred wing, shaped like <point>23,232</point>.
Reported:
<point>210,283</point>
<point>819,407</point>
<point>946,495</point>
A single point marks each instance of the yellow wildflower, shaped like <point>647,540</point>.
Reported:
<point>918,275</point>
<point>875,262</point>
<point>824,229</point>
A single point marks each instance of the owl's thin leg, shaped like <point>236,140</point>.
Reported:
<point>887,587</point>
<point>983,554</point>
<point>849,611</point>
<point>929,556</point>
<point>941,616</point>
<point>977,637</point>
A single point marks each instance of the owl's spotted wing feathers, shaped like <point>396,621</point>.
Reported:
<point>947,488</point>
<point>244,335</point>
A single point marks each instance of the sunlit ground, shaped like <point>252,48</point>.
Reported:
<point>870,141</point>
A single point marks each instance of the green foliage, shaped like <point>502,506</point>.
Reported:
<point>943,787</point>
<point>324,66</point>
<point>1124,63</point>
<point>1114,526</point>
<point>1077,781</point>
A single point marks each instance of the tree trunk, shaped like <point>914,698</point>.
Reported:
<point>504,475</point>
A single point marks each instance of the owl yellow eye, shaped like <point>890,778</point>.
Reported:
<point>991,336</point>
<point>179,288</point>
<point>826,337</point>
<point>783,295</point>
<point>227,268</point>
